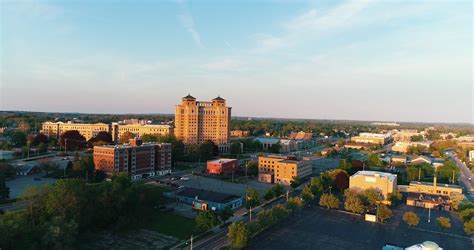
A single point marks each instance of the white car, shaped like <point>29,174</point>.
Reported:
<point>185,178</point>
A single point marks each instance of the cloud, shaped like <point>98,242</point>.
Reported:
<point>187,21</point>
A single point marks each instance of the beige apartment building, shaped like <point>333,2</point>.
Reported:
<point>139,130</point>
<point>200,121</point>
<point>385,182</point>
<point>371,138</point>
<point>85,129</point>
<point>281,169</point>
<point>403,146</point>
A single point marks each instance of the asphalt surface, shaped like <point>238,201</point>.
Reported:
<point>466,177</point>
<point>314,227</point>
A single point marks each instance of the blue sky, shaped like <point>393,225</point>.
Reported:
<point>360,60</point>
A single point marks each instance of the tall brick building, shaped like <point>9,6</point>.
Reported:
<point>200,121</point>
<point>137,159</point>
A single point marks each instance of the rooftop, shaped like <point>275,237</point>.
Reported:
<point>430,184</point>
<point>206,195</point>
<point>222,160</point>
<point>145,144</point>
<point>390,176</point>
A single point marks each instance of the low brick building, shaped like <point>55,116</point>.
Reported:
<point>137,159</point>
<point>222,166</point>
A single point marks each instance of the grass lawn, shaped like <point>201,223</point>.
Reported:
<point>171,224</point>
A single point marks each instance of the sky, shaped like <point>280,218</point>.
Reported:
<point>355,60</point>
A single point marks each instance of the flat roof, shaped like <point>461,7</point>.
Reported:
<point>145,144</point>
<point>206,195</point>
<point>431,184</point>
<point>375,174</point>
<point>222,160</point>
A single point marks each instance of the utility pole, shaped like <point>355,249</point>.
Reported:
<point>250,213</point>
<point>419,173</point>
<point>191,247</point>
<point>453,176</point>
<point>287,195</point>
<point>330,190</point>
<point>65,145</point>
<point>429,215</point>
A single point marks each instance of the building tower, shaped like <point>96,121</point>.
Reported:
<point>200,121</point>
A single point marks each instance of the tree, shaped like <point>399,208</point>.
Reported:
<point>448,171</point>
<point>294,203</point>
<point>395,197</point>
<point>125,137</point>
<point>150,138</point>
<point>374,161</point>
<point>18,139</point>
<point>99,176</point>
<point>316,186</point>
<point>383,212</point>
<point>306,194</point>
<point>273,192</point>
<point>238,235</point>
<point>444,223</point>
<point>467,214</point>
<point>206,150</point>
<point>225,214</point>
<point>456,199</point>
<point>72,140</point>
<point>206,220</point>
<point>436,154</point>
<point>411,218</point>
<point>104,136</point>
<point>252,168</point>
<point>353,201</point>
<point>341,180</point>
<point>329,201</point>
<point>42,148</point>
<point>415,138</point>
<point>47,165</point>
<point>373,196</point>
<point>295,182</point>
<point>235,148</point>
<point>38,139</point>
<point>177,150</point>
<point>252,198</point>
<point>469,227</point>
<point>275,148</point>
<point>66,199</point>
<point>4,190</point>
<point>60,234</point>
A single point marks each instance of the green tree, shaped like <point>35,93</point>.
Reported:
<point>329,201</point>
<point>38,139</point>
<point>238,235</point>
<point>374,161</point>
<point>252,198</point>
<point>275,148</point>
<point>316,186</point>
<point>411,218</point>
<point>42,148</point>
<point>306,194</point>
<point>60,234</point>
<point>373,196</point>
<point>149,138</point>
<point>66,199</point>
<point>448,170</point>
<point>252,168</point>
<point>353,201</point>
<point>469,227</point>
<point>467,214</point>
<point>235,148</point>
<point>443,222</point>
<point>416,138</point>
<point>206,150</point>
<point>18,139</point>
<point>104,136</point>
<point>395,197</point>
<point>273,192</point>
<point>294,203</point>
<point>206,220</point>
<point>4,190</point>
<point>295,182</point>
<point>225,214</point>
<point>383,212</point>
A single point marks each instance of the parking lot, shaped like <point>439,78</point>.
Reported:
<point>20,183</point>
<point>318,228</point>
<point>217,185</point>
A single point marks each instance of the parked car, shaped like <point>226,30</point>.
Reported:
<point>185,178</point>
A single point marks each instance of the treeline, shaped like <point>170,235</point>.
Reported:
<point>58,215</point>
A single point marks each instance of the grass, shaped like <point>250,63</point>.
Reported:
<point>171,224</point>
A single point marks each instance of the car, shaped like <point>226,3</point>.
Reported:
<point>469,178</point>
<point>37,179</point>
<point>185,178</point>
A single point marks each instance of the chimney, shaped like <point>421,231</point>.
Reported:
<point>434,184</point>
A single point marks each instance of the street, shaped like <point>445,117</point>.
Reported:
<point>466,178</point>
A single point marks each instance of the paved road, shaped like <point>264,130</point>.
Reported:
<point>466,177</point>
<point>14,206</point>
